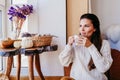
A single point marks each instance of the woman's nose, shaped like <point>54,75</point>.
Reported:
<point>82,28</point>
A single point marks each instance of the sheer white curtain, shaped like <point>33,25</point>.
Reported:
<point>2,28</point>
<point>30,25</point>
<point>33,19</point>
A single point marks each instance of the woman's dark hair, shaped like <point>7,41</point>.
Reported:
<point>96,37</point>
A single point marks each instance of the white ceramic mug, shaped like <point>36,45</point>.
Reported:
<point>76,38</point>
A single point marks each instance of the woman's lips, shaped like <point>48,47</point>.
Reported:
<point>83,34</point>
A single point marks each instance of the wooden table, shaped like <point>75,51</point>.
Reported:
<point>31,53</point>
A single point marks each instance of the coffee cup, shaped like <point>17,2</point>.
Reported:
<point>79,40</point>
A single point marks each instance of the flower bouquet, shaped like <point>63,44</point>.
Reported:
<point>18,15</point>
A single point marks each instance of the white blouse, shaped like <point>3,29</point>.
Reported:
<point>80,57</point>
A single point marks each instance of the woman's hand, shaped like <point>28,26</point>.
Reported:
<point>83,41</point>
<point>70,40</point>
<point>80,40</point>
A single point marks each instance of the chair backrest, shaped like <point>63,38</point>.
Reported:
<point>113,73</point>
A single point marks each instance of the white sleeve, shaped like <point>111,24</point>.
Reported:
<point>104,61</point>
<point>66,56</point>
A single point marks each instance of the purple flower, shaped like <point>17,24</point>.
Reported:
<point>27,9</point>
<point>20,12</point>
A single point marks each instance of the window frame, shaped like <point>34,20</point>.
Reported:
<point>23,65</point>
<point>2,32</point>
<point>2,8</point>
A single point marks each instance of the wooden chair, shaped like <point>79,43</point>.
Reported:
<point>67,73</point>
<point>67,78</point>
<point>113,73</point>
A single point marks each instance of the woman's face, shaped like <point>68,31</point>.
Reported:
<point>86,28</point>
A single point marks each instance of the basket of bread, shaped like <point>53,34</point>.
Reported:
<point>8,43</point>
<point>44,40</point>
<point>39,40</point>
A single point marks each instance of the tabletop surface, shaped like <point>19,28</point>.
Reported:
<point>28,51</point>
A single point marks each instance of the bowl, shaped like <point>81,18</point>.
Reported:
<point>6,44</point>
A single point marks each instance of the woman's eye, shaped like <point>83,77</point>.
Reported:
<point>86,26</point>
<point>80,25</point>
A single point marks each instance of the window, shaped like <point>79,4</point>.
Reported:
<point>24,29</point>
<point>19,1</point>
<point>4,23</point>
<point>1,63</point>
<point>2,29</point>
<point>1,23</point>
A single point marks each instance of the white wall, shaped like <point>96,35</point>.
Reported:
<point>50,18</point>
<point>2,2</point>
<point>108,12</point>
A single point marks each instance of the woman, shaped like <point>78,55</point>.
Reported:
<point>91,57</point>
